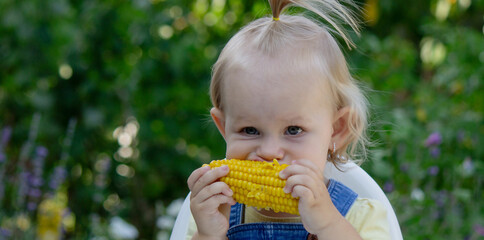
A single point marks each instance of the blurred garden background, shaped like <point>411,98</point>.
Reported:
<point>104,112</point>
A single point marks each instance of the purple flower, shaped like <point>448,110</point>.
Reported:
<point>6,133</point>
<point>433,170</point>
<point>35,192</point>
<point>435,152</point>
<point>41,151</point>
<point>2,157</point>
<point>35,177</point>
<point>437,214</point>
<point>404,167</point>
<point>5,232</point>
<point>388,187</point>
<point>31,206</point>
<point>23,185</point>
<point>57,177</point>
<point>35,181</point>
<point>440,198</point>
<point>461,136</point>
<point>479,229</point>
<point>434,139</point>
<point>468,166</point>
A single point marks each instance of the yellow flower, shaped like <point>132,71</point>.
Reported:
<point>421,115</point>
<point>371,12</point>
<point>49,218</point>
<point>23,222</point>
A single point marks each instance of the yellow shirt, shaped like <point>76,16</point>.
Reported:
<point>367,216</point>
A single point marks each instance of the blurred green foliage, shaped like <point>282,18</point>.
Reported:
<point>117,91</point>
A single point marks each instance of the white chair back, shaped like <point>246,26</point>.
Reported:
<point>351,175</point>
<point>180,228</point>
<point>354,177</point>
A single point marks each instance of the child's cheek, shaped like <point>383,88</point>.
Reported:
<point>236,150</point>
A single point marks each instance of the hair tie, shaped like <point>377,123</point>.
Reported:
<point>275,18</point>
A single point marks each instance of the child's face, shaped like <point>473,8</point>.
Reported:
<point>275,115</point>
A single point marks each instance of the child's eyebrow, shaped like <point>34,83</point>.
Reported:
<point>288,120</point>
<point>242,118</point>
<point>297,120</point>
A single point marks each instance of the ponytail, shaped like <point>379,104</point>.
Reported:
<point>332,11</point>
<point>277,6</point>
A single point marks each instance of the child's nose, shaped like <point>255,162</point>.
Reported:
<point>270,149</point>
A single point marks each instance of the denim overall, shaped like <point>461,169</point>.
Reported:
<point>341,196</point>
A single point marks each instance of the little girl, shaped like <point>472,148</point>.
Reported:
<point>281,90</point>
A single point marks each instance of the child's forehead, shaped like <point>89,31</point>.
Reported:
<point>272,75</point>
<point>269,90</point>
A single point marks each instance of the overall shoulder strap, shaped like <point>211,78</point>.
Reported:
<point>342,196</point>
<point>236,214</point>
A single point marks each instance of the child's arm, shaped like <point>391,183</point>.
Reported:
<point>210,202</point>
<point>318,214</point>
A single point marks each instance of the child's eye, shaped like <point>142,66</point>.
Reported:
<point>293,130</point>
<point>250,131</point>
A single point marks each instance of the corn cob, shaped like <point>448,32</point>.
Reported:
<point>258,184</point>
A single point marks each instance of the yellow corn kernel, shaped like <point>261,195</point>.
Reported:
<point>257,184</point>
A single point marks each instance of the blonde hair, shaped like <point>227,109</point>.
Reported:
<point>270,36</point>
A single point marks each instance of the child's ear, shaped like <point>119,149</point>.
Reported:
<point>340,127</point>
<point>219,119</point>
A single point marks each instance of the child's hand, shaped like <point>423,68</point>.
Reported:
<point>305,180</point>
<point>210,202</point>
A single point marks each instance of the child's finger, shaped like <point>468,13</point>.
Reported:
<point>215,201</point>
<point>196,175</point>
<point>214,189</point>
<point>212,203</point>
<point>208,178</point>
<point>293,170</point>
<point>296,169</point>
<point>301,180</point>
<point>303,193</point>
